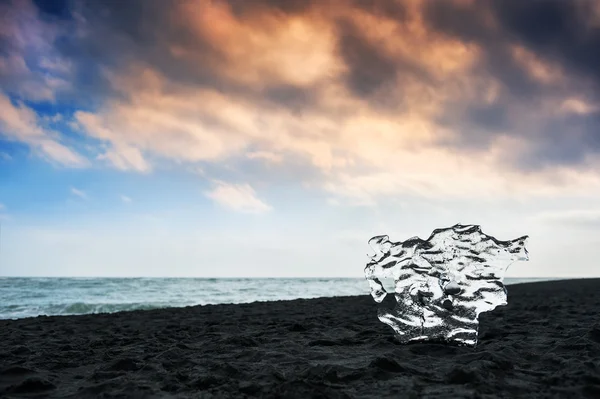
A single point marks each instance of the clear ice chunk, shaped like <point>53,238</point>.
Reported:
<point>443,283</point>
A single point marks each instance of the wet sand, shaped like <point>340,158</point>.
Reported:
<point>545,343</point>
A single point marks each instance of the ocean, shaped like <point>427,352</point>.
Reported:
<point>22,297</point>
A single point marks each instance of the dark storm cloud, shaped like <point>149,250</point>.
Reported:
<point>372,74</point>
<point>554,30</point>
<point>492,117</point>
<point>559,30</point>
<point>369,67</point>
<point>468,24</point>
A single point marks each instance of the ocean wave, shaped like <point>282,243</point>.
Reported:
<point>77,308</point>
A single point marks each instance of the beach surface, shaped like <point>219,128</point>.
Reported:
<point>545,343</point>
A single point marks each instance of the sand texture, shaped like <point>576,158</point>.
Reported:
<point>545,343</point>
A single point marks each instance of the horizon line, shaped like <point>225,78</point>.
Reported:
<point>272,277</point>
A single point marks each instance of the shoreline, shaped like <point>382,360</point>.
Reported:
<point>544,343</point>
<point>32,297</point>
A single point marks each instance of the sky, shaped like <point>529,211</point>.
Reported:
<point>267,138</point>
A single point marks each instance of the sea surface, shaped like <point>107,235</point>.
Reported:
<point>32,296</point>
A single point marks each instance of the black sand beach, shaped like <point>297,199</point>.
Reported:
<point>545,343</point>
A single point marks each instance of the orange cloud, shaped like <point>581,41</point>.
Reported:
<point>264,48</point>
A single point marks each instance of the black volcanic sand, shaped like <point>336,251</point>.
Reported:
<point>545,343</point>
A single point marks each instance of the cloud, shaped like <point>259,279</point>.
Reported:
<point>126,199</point>
<point>367,99</point>
<point>578,106</point>
<point>238,197</point>
<point>79,193</point>
<point>30,65</point>
<point>540,68</point>
<point>260,48</point>
<point>5,156</point>
<point>20,123</point>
